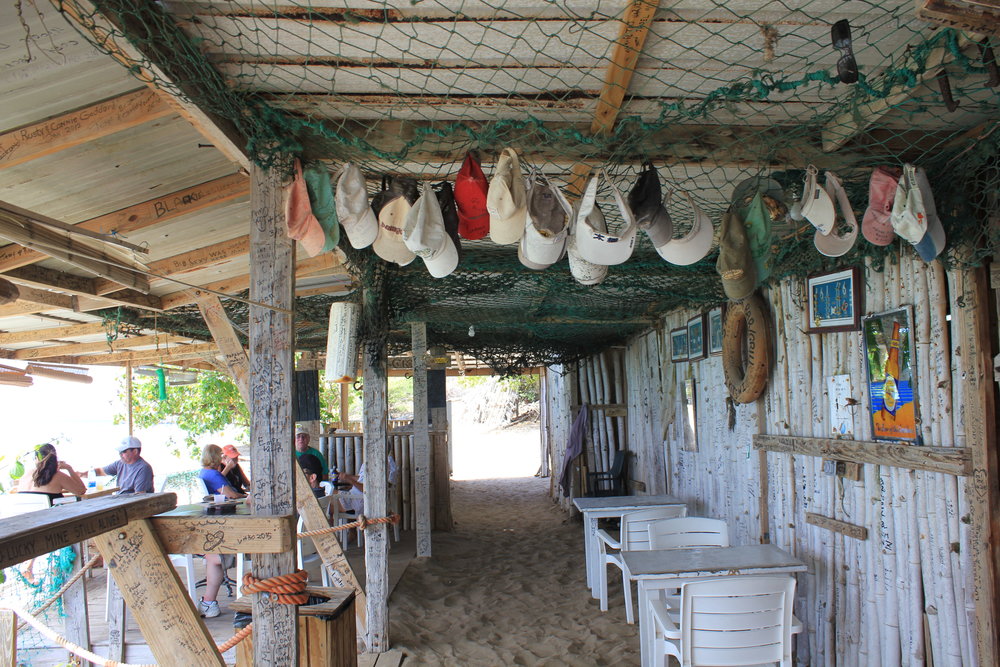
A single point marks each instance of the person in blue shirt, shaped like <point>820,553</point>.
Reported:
<point>215,484</point>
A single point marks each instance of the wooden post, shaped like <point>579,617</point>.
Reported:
<point>309,361</point>
<point>128,391</point>
<point>116,622</point>
<point>421,441</point>
<point>442,470</point>
<point>75,603</point>
<point>233,355</point>
<point>8,638</point>
<point>376,500</point>
<point>171,626</point>
<point>344,402</point>
<point>272,256</point>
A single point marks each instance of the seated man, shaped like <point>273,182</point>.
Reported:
<point>133,473</point>
<point>313,471</point>
<point>302,447</point>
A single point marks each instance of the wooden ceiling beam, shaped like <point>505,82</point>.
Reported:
<point>77,127</point>
<point>202,257</point>
<point>146,214</point>
<point>52,333</point>
<point>37,276</point>
<point>76,349</point>
<point>98,21</point>
<point>176,353</point>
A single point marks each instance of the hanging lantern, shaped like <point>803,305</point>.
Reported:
<point>342,342</point>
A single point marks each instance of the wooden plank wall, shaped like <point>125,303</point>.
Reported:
<point>885,600</point>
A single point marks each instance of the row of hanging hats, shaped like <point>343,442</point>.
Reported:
<point>401,223</point>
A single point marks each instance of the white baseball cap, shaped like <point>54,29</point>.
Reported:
<point>507,200</point>
<point>693,246</point>
<point>391,221</point>
<point>584,272</point>
<point>546,226</point>
<point>908,216</point>
<point>426,236</point>
<point>817,207</point>
<point>597,246</point>
<point>129,442</point>
<point>932,242</point>
<point>356,216</point>
<point>833,244</point>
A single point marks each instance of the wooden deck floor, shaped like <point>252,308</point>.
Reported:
<point>221,627</point>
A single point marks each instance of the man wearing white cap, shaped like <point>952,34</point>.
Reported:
<point>302,447</point>
<point>133,473</point>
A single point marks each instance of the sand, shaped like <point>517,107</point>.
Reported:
<point>507,587</point>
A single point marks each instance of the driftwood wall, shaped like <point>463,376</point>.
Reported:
<point>911,585</point>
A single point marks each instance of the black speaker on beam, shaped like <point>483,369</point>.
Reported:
<point>305,396</point>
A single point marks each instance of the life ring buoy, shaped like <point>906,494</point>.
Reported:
<point>746,374</point>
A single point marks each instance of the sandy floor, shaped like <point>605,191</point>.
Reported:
<point>507,587</point>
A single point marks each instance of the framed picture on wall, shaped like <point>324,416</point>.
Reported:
<point>834,301</point>
<point>892,381</point>
<point>679,344</point>
<point>714,324</point>
<point>696,338</point>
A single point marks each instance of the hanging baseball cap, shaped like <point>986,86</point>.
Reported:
<point>546,226</point>
<point>933,240</point>
<point>426,236</point>
<point>507,200</point>
<point>876,225</point>
<point>320,189</point>
<point>470,198</point>
<point>598,246</point>
<point>584,272</point>
<point>301,224</point>
<point>908,217</point>
<point>446,200</point>
<point>735,263</point>
<point>646,202</point>
<point>834,244</point>
<point>356,216</point>
<point>395,202</point>
<point>693,246</point>
<point>758,224</point>
<point>817,207</point>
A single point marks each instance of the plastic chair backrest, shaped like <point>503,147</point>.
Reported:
<point>187,485</point>
<point>737,620</point>
<point>688,533</point>
<point>12,504</point>
<point>635,525</point>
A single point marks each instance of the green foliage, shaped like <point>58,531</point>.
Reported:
<point>526,387</point>
<point>400,397</point>
<point>209,405</point>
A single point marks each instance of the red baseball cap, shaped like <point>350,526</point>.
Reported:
<point>470,198</point>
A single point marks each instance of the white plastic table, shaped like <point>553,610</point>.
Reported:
<point>609,507</point>
<point>669,568</point>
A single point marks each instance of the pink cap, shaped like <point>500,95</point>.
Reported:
<point>876,225</point>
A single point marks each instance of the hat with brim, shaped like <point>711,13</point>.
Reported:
<point>302,225</point>
<point>933,240</point>
<point>758,222</point>
<point>470,198</point>
<point>389,244</point>
<point>834,244</point>
<point>908,216</point>
<point>507,200</point>
<point>446,200</point>
<point>356,216</point>
<point>584,272</point>
<point>693,246</point>
<point>231,452</point>
<point>876,225</point>
<point>817,207</point>
<point>650,214</point>
<point>598,246</point>
<point>129,442</point>
<point>426,236</point>
<point>735,264</point>
<point>546,226</point>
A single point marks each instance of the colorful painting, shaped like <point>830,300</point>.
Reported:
<point>715,331</point>
<point>834,301</point>
<point>892,384</point>
<point>679,344</point>
<point>696,338</point>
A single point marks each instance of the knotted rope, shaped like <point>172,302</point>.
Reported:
<point>361,523</point>
<point>286,588</point>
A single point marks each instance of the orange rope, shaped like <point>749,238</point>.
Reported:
<point>235,639</point>
<point>361,523</point>
<point>286,588</point>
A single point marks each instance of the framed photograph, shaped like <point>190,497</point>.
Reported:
<point>892,381</point>
<point>696,338</point>
<point>679,344</point>
<point>834,301</point>
<point>714,325</point>
<point>690,417</point>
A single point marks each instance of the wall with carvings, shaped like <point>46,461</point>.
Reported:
<point>909,585</point>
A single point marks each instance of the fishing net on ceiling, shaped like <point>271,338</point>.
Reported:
<point>720,92</point>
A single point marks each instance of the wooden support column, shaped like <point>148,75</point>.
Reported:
<point>376,500</point>
<point>233,355</point>
<point>116,622</point>
<point>442,469</point>
<point>421,441</point>
<point>8,638</point>
<point>344,404</point>
<point>75,604</point>
<point>272,256</point>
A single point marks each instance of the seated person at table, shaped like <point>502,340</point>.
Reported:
<point>356,503</point>
<point>133,474</point>
<point>232,470</point>
<point>302,447</point>
<point>51,477</point>
<point>313,471</point>
<point>215,484</point>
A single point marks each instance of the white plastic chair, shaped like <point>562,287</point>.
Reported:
<point>308,553</point>
<point>634,537</point>
<point>688,532</point>
<point>12,504</point>
<point>736,620</point>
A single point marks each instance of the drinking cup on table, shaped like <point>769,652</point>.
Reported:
<point>220,497</point>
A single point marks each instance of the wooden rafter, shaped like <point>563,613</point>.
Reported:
<point>202,257</point>
<point>165,355</point>
<point>77,127</point>
<point>75,349</point>
<point>52,333</point>
<point>146,214</point>
<point>106,32</point>
<point>37,276</point>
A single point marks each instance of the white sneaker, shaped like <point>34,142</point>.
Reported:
<point>208,609</point>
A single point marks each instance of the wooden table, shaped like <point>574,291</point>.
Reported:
<point>669,568</point>
<point>187,529</point>
<point>609,507</point>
